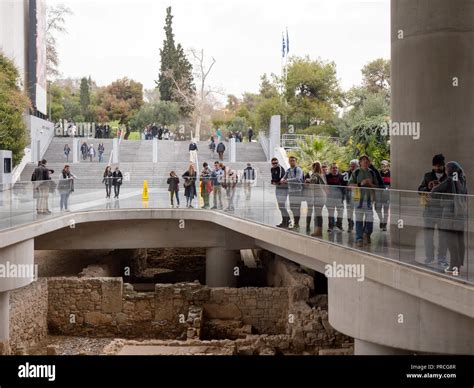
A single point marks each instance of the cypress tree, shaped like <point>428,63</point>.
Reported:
<point>173,60</point>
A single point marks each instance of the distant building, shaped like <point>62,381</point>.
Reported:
<point>23,40</point>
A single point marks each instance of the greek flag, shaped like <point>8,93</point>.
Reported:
<point>283,46</point>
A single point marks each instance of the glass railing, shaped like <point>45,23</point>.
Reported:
<point>430,231</point>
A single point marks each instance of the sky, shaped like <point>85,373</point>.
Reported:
<point>111,39</point>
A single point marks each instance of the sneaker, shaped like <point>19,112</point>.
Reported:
<point>359,243</point>
<point>339,229</point>
<point>443,263</point>
<point>366,239</point>
<point>214,207</point>
<point>429,260</point>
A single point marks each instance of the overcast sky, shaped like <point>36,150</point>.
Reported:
<point>111,39</point>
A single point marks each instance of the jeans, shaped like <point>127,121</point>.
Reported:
<point>108,190</point>
<point>281,194</point>
<point>364,217</point>
<point>173,194</point>
<point>117,190</point>
<point>230,192</point>
<point>101,157</point>
<point>63,202</point>
<point>217,195</point>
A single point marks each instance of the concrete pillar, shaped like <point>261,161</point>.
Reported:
<point>75,150</point>
<point>115,150</point>
<point>275,134</point>
<point>365,348</point>
<point>220,264</point>
<point>4,322</point>
<point>232,150</point>
<point>155,150</point>
<point>432,83</point>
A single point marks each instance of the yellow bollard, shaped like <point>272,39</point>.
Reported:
<point>145,190</point>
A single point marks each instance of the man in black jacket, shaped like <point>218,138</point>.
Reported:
<point>42,183</point>
<point>281,192</point>
<point>335,198</point>
<point>432,212</point>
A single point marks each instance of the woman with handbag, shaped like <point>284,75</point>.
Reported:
<point>117,181</point>
<point>190,185</point>
<point>108,181</point>
<point>451,194</point>
<point>206,185</point>
<point>65,187</point>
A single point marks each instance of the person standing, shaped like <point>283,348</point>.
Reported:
<point>41,178</point>
<point>250,134</point>
<point>353,165</point>
<point>107,180</point>
<point>206,185</point>
<point>193,149</point>
<point>385,194</point>
<point>190,192</point>
<point>281,192</point>
<point>364,180</point>
<point>101,150</point>
<point>230,185</point>
<point>335,198</point>
<point>67,150</point>
<point>84,150</point>
<point>216,178</point>
<point>212,147</point>
<point>220,150</point>
<point>315,195</point>
<point>91,152</point>
<point>117,181</point>
<point>249,179</point>
<point>452,193</point>
<point>65,187</point>
<point>173,188</point>
<point>219,135</point>
<point>294,178</point>
<point>432,211</point>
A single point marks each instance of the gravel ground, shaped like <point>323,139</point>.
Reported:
<point>72,345</point>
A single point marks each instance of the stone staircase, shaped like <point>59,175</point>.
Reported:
<point>136,161</point>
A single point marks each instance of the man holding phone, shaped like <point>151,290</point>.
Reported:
<point>432,212</point>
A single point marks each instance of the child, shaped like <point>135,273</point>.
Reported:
<point>173,187</point>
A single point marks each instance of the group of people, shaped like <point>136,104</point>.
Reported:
<point>219,148</point>
<point>153,131</point>
<point>326,187</point>
<point>102,131</point>
<point>212,182</point>
<point>88,151</point>
<point>363,191</point>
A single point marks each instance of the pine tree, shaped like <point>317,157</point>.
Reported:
<point>85,97</point>
<point>175,80</point>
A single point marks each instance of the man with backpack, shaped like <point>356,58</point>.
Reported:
<point>220,150</point>
<point>363,180</point>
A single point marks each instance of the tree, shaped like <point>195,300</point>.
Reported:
<point>85,97</point>
<point>267,88</point>
<point>55,24</point>
<point>376,76</point>
<point>121,99</point>
<point>324,150</point>
<point>13,104</point>
<point>312,91</point>
<point>202,72</point>
<point>175,80</point>
<point>162,112</point>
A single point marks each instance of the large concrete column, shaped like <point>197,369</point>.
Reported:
<point>390,321</point>
<point>232,150</point>
<point>274,135</point>
<point>432,51</point>
<point>155,150</point>
<point>220,264</point>
<point>4,322</point>
<point>115,151</point>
